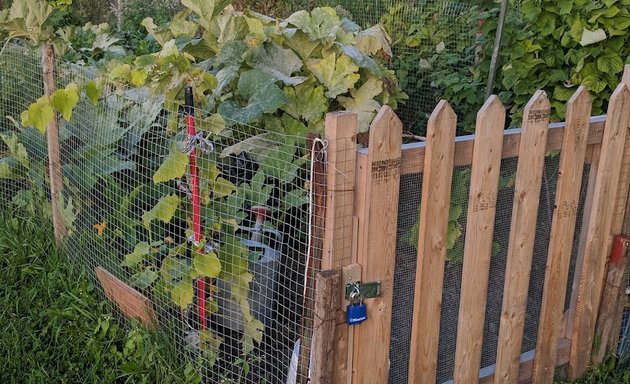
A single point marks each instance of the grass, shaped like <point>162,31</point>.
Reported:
<point>55,329</point>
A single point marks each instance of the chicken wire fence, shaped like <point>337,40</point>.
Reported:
<point>431,40</point>
<point>212,225</point>
<point>405,271</point>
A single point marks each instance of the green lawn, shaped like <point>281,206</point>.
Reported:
<point>55,329</point>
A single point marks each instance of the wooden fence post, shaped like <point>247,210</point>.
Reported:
<point>52,134</point>
<point>597,245</point>
<point>484,185</point>
<point>562,232</point>
<point>436,192</point>
<point>378,223</point>
<point>327,307</point>
<point>613,297</point>
<point>531,162</point>
<point>338,238</point>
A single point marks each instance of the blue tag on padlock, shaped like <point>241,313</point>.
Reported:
<point>356,313</point>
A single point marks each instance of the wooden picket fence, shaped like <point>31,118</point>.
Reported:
<point>359,240</point>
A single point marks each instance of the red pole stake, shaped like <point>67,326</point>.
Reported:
<point>194,181</point>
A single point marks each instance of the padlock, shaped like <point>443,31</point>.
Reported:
<point>356,311</point>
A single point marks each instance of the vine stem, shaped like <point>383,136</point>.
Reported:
<point>4,46</point>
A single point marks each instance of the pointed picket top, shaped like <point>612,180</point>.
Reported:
<point>581,96</point>
<point>493,108</point>
<point>626,75</point>
<point>621,93</point>
<point>443,111</point>
<point>385,134</point>
<point>538,108</point>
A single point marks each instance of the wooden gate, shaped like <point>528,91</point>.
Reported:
<point>362,198</point>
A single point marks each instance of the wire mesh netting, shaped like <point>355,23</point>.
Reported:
<point>406,260</point>
<point>208,219</point>
<point>423,33</point>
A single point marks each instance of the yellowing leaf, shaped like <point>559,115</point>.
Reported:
<point>182,293</point>
<point>38,115</point>
<point>121,72</point>
<point>100,227</point>
<point>93,91</point>
<point>65,100</point>
<point>138,77</point>
<point>253,333</point>
<point>163,210</point>
<point>306,102</point>
<point>206,264</point>
<point>363,102</point>
<point>16,148</point>
<point>337,74</point>
<point>173,167</point>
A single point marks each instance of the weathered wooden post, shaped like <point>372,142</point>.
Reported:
<point>52,134</point>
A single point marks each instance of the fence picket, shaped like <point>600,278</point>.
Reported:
<point>484,186</point>
<point>436,188</point>
<point>531,162</point>
<point>562,233</point>
<point>598,236</point>
<point>378,219</point>
<point>612,307</point>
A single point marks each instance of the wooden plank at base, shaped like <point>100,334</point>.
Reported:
<point>131,303</point>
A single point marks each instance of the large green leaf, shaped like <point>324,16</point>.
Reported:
<point>306,101</point>
<point>320,24</point>
<point>206,9</point>
<point>361,59</point>
<point>362,102</point>
<point>337,74</point>
<point>591,37</point>
<point>38,114</point>
<point>140,251</point>
<point>173,167</point>
<point>279,62</point>
<point>610,62</point>
<point>182,293</point>
<point>174,268</point>
<point>144,279</point>
<point>233,256</point>
<point>206,264</point>
<point>93,91</point>
<point>163,210</point>
<point>65,100</point>
<point>262,94</point>
<point>26,19</point>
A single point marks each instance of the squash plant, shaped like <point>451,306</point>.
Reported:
<point>261,84</point>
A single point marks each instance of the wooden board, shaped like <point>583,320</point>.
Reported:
<point>52,140</point>
<point>613,298</point>
<point>562,233</point>
<point>529,172</point>
<point>413,155</point>
<point>131,303</point>
<point>338,229</point>
<point>341,163</point>
<point>484,186</point>
<point>599,227</point>
<point>327,306</point>
<point>436,191</point>
<point>378,222</point>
